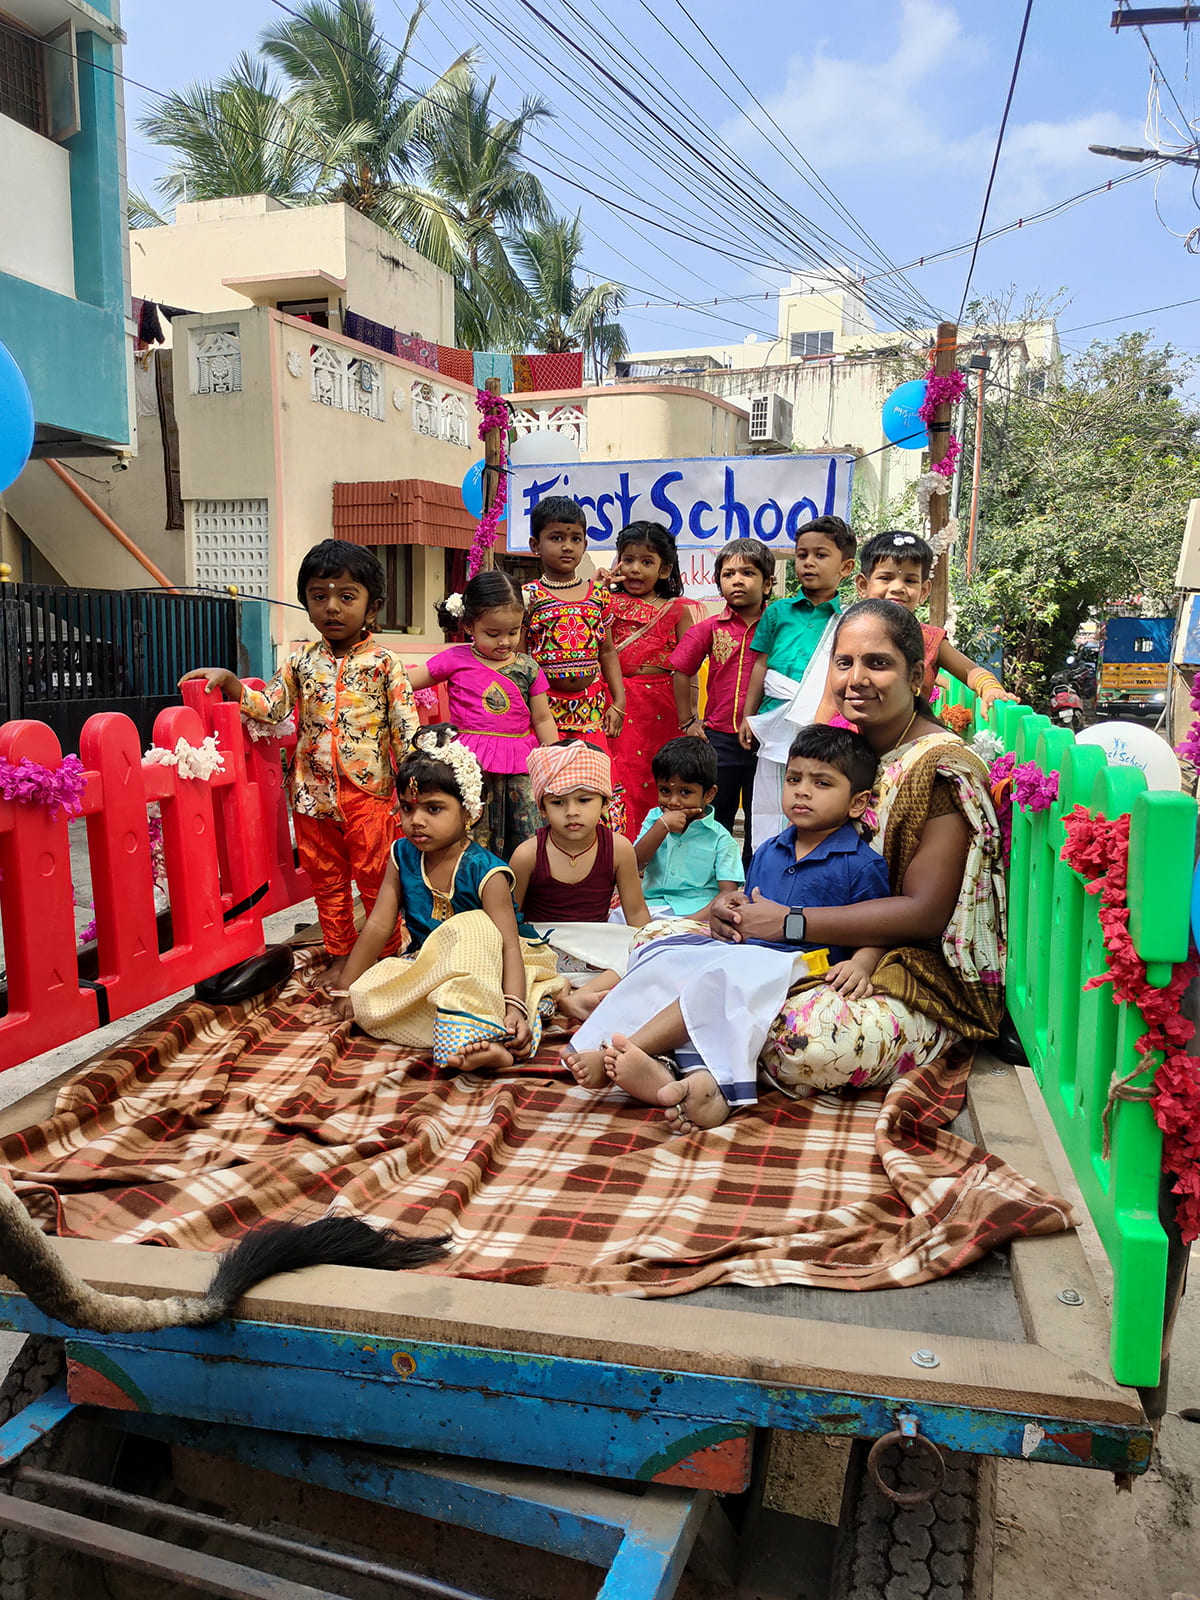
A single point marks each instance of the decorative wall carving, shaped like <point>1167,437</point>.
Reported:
<point>216,361</point>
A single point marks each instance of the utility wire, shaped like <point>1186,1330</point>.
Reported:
<point>1012,84</point>
<point>1131,316</point>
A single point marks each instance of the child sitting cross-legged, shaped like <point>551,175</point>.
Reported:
<point>469,984</point>
<point>687,857</point>
<point>683,1029</point>
<point>572,867</point>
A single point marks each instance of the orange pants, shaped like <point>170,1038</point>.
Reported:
<point>339,852</point>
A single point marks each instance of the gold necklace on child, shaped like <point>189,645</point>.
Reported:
<point>571,583</point>
<point>572,859</point>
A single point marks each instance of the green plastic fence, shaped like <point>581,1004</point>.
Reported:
<point>1078,1042</point>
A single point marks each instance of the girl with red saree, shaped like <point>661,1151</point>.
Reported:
<point>649,617</point>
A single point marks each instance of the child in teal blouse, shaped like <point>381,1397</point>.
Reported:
<point>473,983</point>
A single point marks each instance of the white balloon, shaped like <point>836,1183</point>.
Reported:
<point>544,447</point>
<point>1132,744</point>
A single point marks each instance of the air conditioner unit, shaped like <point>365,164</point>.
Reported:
<point>771,420</point>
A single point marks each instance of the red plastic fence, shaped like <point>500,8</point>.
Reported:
<point>228,855</point>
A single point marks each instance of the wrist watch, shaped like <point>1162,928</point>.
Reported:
<point>794,928</point>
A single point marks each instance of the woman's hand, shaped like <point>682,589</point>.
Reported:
<point>614,721</point>
<point>518,1033</point>
<point>852,977</point>
<point>989,696</point>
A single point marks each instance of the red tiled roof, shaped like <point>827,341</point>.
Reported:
<point>402,511</point>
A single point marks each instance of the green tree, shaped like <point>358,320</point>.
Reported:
<point>1086,489</point>
<point>564,316</point>
<point>234,136</point>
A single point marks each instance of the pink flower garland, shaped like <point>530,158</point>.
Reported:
<point>1099,850</point>
<point>1026,785</point>
<point>493,410</point>
<point>60,788</point>
<point>1034,789</point>
<point>943,389</point>
<point>1189,746</point>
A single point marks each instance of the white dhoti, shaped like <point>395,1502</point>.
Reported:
<point>775,731</point>
<point>729,995</point>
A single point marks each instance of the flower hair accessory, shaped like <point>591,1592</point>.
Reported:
<point>463,763</point>
<point>452,605</point>
<point>904,538</point>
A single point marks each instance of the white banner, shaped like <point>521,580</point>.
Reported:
<point>704,501</point>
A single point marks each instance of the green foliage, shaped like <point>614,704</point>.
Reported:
<point>564,315</point>
<point>1086,489</point>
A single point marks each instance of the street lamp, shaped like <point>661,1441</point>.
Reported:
<point>1133,152</point>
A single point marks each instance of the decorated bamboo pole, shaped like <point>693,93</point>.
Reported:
<point>945,355</point>
<point>492,458</point>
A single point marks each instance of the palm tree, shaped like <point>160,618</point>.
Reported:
<point>564,316</point>
<point>348,88</point>
<point>234,136</point>
<point>474,193</point>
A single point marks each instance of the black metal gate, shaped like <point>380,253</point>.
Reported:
<point>68,653</point>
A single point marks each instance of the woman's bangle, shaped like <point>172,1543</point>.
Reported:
<point>979,677</point>
<point>620,710</point>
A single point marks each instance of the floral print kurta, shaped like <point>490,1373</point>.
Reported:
<point>355,717</point>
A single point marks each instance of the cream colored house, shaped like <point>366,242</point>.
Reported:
<point>264,428</point>
<point>834,369</point>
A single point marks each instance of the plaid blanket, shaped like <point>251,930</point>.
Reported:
<point>197,1127</point>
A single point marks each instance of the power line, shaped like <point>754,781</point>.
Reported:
<point>1131,316</point>
<point>1012,85</point>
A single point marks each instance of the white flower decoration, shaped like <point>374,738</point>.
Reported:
<point>468,774</point>
<point>189,760</point>
<point>453,605</point>
<point>987,746</point>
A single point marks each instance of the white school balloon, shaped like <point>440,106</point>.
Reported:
<point>543,447</point>
<point>1132,744</point>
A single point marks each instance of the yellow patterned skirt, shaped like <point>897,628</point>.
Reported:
<point>450,994</point>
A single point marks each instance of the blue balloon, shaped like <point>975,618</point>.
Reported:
<point>472,491</point>
<point>16,420</point>
<point>901,424</point>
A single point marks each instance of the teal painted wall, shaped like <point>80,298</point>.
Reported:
<point>72,352</point>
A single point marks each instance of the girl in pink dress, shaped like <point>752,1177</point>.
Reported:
<point>498,702</point>
<point>649,617</point>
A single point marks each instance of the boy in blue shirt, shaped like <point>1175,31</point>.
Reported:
<point>686,856</point>
<point>696,1009</point>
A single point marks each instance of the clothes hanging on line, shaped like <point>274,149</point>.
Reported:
<point>493,364</point>
<point>422,352</point>
<point>454,363</point>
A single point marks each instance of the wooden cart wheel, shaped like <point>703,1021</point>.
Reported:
<point>938,1549</point>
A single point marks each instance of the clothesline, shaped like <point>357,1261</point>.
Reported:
<point>519,374</point>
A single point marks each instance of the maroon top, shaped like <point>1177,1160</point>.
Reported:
<point>548,900</point>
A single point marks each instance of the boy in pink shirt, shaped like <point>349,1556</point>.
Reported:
<point>745,572</point>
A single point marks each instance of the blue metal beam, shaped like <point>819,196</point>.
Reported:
<point>655,1549</point>
<point>34,1423</point>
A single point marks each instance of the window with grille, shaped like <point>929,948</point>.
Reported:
<point>396,612</point>
<point>22,78</point>
<point>811,344</point>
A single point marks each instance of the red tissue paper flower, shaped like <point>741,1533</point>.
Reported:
<point>1099,850</point>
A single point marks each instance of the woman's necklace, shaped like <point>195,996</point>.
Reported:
<point>572,858</point>
<point>904,735</point>
<point>571,583</point>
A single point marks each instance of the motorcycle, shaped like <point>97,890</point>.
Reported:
<point>1066,704</point>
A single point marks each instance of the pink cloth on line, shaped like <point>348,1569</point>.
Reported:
<point>490,707</point>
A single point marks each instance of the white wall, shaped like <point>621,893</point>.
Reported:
<point>35,205</point>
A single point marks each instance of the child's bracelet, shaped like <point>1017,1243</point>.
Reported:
<point>684,726</point>
<point>518,1004</point>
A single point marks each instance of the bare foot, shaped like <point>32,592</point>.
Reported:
<point>483,1055</point>
<point>578,1004</point>
<point>694,1102</point>
<point>639,1074</point>
<point>586,1067</point>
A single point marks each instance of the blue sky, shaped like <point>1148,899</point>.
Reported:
<point>895,105</point>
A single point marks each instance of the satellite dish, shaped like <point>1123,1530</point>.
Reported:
<point>542,448</point>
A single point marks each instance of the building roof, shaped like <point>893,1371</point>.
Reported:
<point>402,511</point>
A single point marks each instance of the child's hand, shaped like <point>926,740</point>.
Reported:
<point>340,1005</point>
<point>851,978</point>
<point>746,735</point>
<point>677,821</point>
<point>614,721</point>
<point>518,1033</point>
<point>219,679</point>
<point>696,731</point>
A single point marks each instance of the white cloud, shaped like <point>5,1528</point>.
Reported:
<point>930,104</point>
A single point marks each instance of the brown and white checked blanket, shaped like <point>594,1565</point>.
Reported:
<point>199,1126</point>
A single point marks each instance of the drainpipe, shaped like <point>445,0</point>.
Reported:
<point>105,521</point>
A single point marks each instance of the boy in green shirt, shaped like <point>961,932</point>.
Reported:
<point>786,641</point>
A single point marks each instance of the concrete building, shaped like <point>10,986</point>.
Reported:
<point>64,269</point>
<point>832,369</point>
<point>263,426</point>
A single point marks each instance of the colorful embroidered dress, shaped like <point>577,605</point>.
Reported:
<point>489,705</point>
<point>564,638</point>
<point>644,634</point>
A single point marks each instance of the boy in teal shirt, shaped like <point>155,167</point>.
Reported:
<point>687,857</point>
<point>785,641</point>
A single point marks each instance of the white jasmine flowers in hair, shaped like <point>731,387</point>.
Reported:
<point>464,763</point>
<point>453,605</point>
